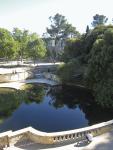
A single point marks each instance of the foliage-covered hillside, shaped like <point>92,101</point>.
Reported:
<point>91,56</point>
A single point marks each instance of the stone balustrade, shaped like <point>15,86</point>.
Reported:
<point>12,77</point>
<point>11,138</point>
<point>51,76</point>
<point>4,139</point>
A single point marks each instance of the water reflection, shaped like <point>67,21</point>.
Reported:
<point>69,96</point>
<point>74,97</point>
<point>10,98</point>
<point>34,92</point>
<point>49,108</point>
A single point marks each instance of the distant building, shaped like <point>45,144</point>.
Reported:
<point>56,46</point>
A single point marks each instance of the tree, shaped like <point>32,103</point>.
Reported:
<point>87,30</point>
<point>99,20</point>
<point>60,30</point>
<point>35,47</point>
<point>21,38</point>
<point>70,32</point>
<point>90,39</point>
<point>100,68</point>
<point>7,44</point>
<point>71,72</point>
<point>97,50</point>
<point>73,49</point>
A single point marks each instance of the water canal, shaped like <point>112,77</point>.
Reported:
<point>48,108</point>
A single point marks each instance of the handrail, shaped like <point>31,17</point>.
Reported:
<point>11,138</point>
<point>51,77</point>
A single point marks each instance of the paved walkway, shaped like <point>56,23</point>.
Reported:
<point>18,84</point>
<point>14,63</point>
<point>102,142</point>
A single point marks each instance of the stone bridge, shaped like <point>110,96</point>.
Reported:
<point>49,79</point>
<point>22,73</point>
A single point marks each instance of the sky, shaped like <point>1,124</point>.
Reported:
<point>33,15</point>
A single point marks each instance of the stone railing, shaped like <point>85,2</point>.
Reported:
<point>4,139</point>
<point>51,76</point>
<point>11,138</point>
<point>15,75</point>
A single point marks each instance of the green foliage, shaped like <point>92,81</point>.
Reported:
<point>7,44</point>
<point>99,20</point>
<point>36,48</point>
<point>87,29</point>
<point>73,49</point>
<point>34,92</point>
<point>59,31</point>
<point>60,28</point>
<point>21,44</point>
<point>28,45</point>
<point>94,52</point>
<point>57,25</point>
<point>100,68</point>
<point>10,99</point>
<point>68,71</point>
<point>21,39</point>
<point>92,36</point>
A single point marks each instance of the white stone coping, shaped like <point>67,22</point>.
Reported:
<point>7,133</point>
<point>85,129</point>
<point>17,85</point>
<point>11,70</point>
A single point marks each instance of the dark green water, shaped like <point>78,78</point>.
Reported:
<point>49,109</point>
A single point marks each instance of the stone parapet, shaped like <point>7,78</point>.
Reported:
<point>11,138</point>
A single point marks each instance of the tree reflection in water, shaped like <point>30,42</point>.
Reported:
<point>34,92</point>
<point>74,97</point>
<point>69,96</point>
<point>10,98</point>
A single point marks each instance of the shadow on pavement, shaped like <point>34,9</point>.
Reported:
<point>29,145</point>
<point>81,143</point>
